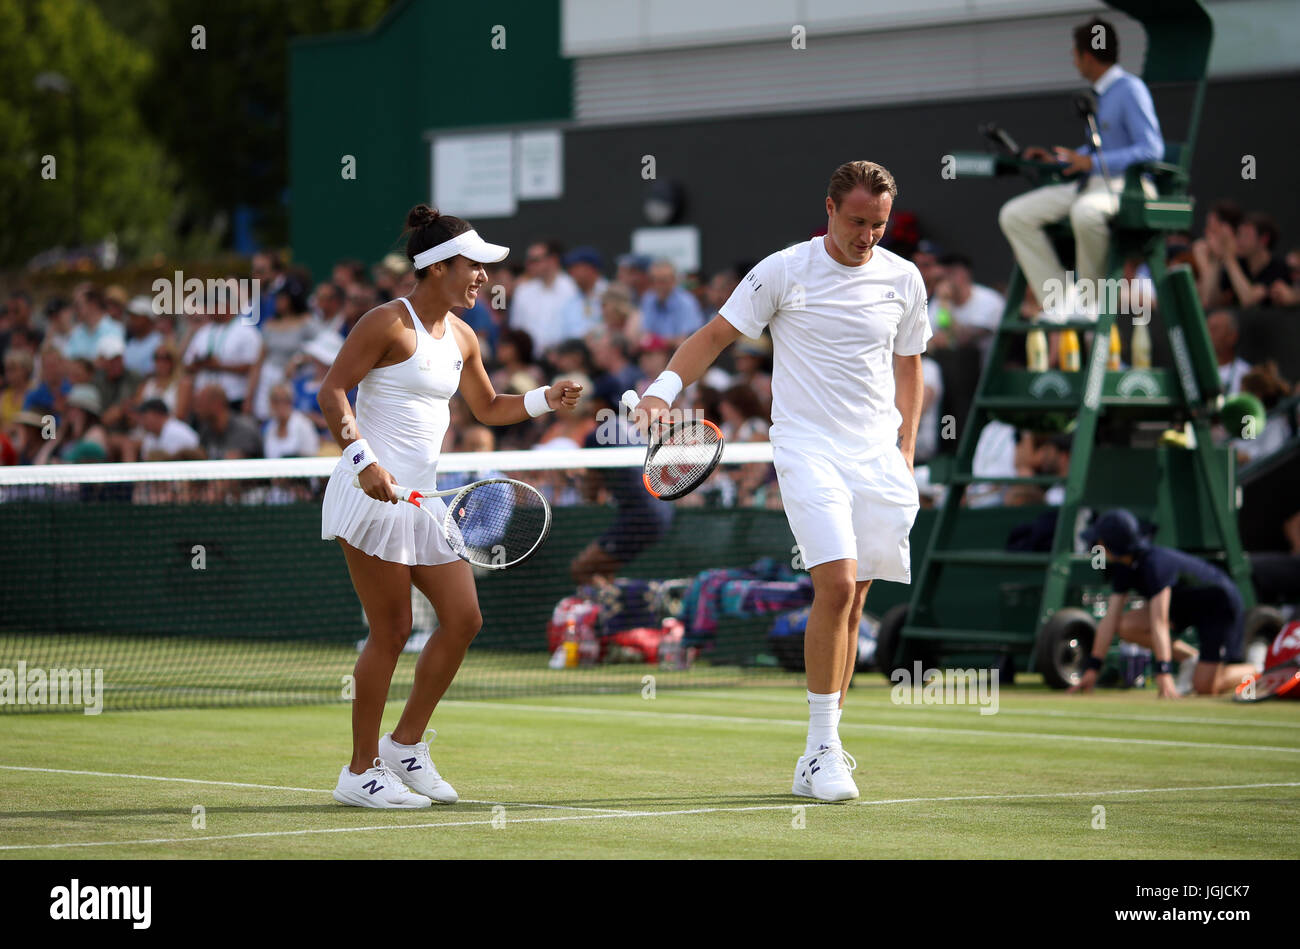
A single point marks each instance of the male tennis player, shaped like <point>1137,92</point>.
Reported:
<point>848,323</point>
<point>407,358</point>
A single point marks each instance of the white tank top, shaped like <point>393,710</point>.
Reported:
<point>402,409</point>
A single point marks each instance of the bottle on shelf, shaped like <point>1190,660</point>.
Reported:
<point>1036,350</point>
<point>1069,352</point>
<point>1140,347</point>
<point>1112,363</point>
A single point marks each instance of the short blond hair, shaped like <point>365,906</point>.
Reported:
<point>860,174</point>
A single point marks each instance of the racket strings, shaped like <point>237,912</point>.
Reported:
<point>686,456</point>
<point>498,523</point>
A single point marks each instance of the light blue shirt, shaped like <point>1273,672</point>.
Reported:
<point>84,341</point>
<point>677,316</point>
<point>1126,117</point>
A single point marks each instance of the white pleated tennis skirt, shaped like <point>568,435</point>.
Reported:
<point>398,533</point>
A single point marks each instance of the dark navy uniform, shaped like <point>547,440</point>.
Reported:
<point>1202,596</point>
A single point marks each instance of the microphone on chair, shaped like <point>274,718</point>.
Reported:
<point>998,136</point>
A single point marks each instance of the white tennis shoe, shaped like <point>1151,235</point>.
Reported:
<point>376,787</point>
<point>413,764</point>
<point>826,775</point>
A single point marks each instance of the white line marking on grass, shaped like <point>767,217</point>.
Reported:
<point>275,787</point>
<point>153,777</point>
<point>681,812</point>
<point>793,699</point>
<point>799,723</point>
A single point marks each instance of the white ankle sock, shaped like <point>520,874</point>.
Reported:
<point>823,720</point>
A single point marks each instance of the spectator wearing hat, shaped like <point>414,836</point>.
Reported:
<point>224,433</point>
<point>308,369</point>
<point>80,425</point>
<point>393,277</point>
<point>142,336</point>
<point>1181,591</point>
<point>541,298</point>
<point>653,355</point>
<point>115,301</point>
<point>283,336</point>
<point>667,309</point>
<point>163,436</point>
<point>582,314</point>
<point>289,432</point>
<point>93,323</point>
<point>223,352</point>
<point>116,385</point>
<point>26,433</point>
<point>17,384</point>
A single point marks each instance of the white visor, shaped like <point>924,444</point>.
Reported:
<point>468,245</point>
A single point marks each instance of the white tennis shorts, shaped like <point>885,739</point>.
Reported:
<point>840,509</point>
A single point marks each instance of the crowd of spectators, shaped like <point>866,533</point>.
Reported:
<point>102,376</point>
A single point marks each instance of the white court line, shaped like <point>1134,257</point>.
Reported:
<point>635,814</point>
<point>278,787</point>
<point>1050,713</point>
<point>802,723</point>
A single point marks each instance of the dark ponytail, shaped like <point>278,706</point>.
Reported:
<point>426,228</point>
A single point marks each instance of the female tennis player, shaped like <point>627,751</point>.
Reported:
<point>407,358</point>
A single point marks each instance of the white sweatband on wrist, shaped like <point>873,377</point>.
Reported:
<point>535,401</point>
<point>359,455</point>
<point>667,387</point>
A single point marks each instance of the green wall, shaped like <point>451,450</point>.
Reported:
<point>425,66</point>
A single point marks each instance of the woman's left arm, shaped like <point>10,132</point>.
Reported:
<point>488,406</point>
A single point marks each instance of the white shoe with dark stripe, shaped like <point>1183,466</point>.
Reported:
<point>376,787</point>
<point>826,775</point>
<point>415,766</point>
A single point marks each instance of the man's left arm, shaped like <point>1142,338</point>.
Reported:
<point>909,392</point>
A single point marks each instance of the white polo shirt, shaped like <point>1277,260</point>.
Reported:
<point>835,331</point>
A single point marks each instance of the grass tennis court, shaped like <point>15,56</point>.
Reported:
<point>691,773</point>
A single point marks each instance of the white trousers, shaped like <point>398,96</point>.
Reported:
<point>1022,220</point>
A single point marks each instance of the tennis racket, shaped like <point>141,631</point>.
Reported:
<point>496,523</point>
<point>1276,682</point>
<point>681,456</point>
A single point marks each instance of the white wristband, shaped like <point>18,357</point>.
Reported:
<point>359,456</point>
<point>535,401</point>
<point>667,387</point>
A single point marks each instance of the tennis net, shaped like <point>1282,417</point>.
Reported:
<point>195,583</point>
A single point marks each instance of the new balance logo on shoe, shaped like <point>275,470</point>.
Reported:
<point>373,786</point>
<point>410,764</point>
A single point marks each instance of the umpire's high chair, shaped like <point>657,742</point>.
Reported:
<point>971,597</point>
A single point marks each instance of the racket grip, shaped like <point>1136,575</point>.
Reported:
<point>631,400</point>
<point>403,494</point>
